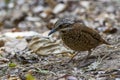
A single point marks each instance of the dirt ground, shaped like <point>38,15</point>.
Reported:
<point>27,53</point>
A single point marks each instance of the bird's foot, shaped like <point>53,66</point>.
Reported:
<point>72,57</point>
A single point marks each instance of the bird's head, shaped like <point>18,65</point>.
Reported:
<point>62,24</point>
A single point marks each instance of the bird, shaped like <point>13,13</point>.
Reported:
<point>77,36</point>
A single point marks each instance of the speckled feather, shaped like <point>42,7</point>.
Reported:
<point>81,38</point>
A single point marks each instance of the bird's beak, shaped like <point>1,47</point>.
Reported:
<point>52,31</point>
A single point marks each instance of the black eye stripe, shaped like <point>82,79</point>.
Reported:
<point>64,25</point>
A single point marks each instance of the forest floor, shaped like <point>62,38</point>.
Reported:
<point>27,53</point>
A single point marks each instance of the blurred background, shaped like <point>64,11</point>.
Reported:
<point>40,15</point>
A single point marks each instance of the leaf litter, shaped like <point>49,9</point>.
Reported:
<point>27,53</point>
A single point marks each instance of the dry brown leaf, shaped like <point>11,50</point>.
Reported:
<point>15,44</point>
<point>14,78</point>
<point>59,8</point>
<point>45,46</point>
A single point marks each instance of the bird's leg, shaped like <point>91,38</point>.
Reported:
<point>73,56</point>
<point>89,53</point>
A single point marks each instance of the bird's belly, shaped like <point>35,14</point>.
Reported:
<point>79,43</point>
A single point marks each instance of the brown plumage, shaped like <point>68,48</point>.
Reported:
<point>77,36</point>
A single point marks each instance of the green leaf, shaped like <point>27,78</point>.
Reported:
<point>12,64</point>
<point>30,77</point>
<point>7,1</point>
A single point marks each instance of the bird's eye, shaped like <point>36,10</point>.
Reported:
<point>64,25</point>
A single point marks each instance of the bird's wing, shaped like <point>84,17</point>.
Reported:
<point>93,33</point>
